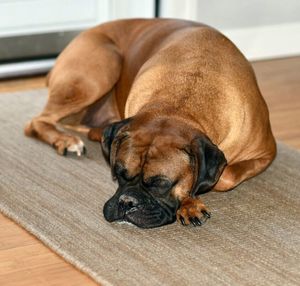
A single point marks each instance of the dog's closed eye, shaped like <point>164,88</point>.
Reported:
<point>121,173</point>
<point>158,184</point>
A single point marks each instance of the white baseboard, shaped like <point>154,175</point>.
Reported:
<point>26,68</point>
<point>264,42</point>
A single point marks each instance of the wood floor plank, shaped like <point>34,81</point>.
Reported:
<point>279,81</point>
<point>26,261</point>
<point>22,84</point>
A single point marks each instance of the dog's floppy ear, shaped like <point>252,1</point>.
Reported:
<point>108,136</point>
<point>208,162</point>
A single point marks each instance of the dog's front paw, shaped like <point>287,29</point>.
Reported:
<point>69,145</point>
<point>192,211</point>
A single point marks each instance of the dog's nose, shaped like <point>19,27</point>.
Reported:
<point>127,202</point>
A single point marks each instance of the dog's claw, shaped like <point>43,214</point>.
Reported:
<point>198,221</point>
<point>206,214</point>
<point>182,220</point>
<point>193,221</point>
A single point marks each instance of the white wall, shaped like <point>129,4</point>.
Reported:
<point>260,28</point>
<point>120,9</point>
<point>19,17</point>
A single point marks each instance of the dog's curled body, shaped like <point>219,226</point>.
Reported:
<point>192,116</point>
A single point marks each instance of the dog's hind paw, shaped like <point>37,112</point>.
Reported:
<point>69,145</point>
<point>78,148</point>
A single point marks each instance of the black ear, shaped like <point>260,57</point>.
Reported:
<point>108,136</point>
<point>208,161</point>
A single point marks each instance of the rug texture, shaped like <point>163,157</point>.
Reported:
<point>253,237</point>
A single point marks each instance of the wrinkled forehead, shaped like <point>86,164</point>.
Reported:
<point>170,164</point>
<point>160,156</point>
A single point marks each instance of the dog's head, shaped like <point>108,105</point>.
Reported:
<point>157,163</point>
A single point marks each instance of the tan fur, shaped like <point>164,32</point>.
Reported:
<point>156,69</point>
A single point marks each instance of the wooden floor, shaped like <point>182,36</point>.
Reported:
<point>26,261</point>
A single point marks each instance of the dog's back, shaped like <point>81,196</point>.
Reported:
<point>173,69</point>
<point>184,66</point>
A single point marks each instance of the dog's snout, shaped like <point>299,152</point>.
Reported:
<point>127,202</point>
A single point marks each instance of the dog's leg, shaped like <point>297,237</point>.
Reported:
<point>43,127</point>
<point>95,134</point>
<point>86,71</point>
<point>235,174</point>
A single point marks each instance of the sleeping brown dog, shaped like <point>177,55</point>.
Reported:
<point>176,108</point>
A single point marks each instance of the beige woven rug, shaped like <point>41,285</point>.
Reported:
<point>253,237</point>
